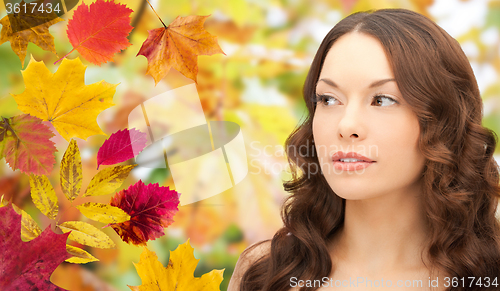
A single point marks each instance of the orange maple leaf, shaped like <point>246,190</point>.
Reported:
<point>178,45</point>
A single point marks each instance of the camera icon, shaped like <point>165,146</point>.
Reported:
<point>181,139</point>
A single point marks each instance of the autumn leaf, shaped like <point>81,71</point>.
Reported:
<point>103,212</point>
<point>121,146</point>
<point>22,28</point>
<point>25,143</point>
<point>178,46</point>
<point>28,265</point>
<point>86,234</point>
<point>64,99</point>
<point>178,275</point>
<point>100,30</point>
<point>3,202</point>
<point>43,195</point>
<point>29,228</point>
<point>106,181</point>
<point>79,256</point>
<point>71,171</point>
<point>151,208</point>
<point>26,18</point>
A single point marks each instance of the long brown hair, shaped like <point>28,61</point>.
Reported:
<point>461,178</point>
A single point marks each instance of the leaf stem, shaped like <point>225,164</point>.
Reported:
<point>64,56</point>
<point>156,14</point>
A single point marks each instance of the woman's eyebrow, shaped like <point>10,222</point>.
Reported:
<point>372,85</point>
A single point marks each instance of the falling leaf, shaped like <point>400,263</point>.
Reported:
<point>103,212</point>
<point>25,143</point>
<point>106,181</point>
<point>21,29</point>
<point>178,46</point>
<point>64,99</point>
<point>28,265</point>
<point>121,146</point>
<point>178,275</point>
<point>151,208</point>
<point>71,171</point>
<point>100,30</point>
<point>86,234</point>
<point>79,256</point>
<point>43,195</point>
<point>29,228</point>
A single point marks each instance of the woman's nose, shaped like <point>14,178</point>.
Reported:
<point>351,124</point>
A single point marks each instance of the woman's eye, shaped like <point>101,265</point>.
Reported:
<point>325,100</point>
<point>379,100</point>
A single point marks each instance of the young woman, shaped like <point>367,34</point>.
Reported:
<point>401,189</point>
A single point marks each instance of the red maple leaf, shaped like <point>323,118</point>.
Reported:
<point>100,30</point>
<point>28,265</point>
<point>121,146</point>
<point>150,207</point>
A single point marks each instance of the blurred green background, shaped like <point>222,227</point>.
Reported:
<point>269,46</point>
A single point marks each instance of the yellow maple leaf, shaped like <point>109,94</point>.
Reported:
<point>63,98</point>
<point>24,29</point>
<point>178,275</point>
<point>178,45</point>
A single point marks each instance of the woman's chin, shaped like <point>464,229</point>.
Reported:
<point>354,194</point>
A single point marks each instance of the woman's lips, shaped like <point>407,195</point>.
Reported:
<point>350,155</point>
<point>351,166</point>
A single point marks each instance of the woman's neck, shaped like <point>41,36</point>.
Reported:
<point>382,234</point>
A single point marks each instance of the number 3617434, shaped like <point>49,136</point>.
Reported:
<point>32,8</point>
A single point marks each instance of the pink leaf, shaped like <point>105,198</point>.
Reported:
<point>121,146</point>
<point>25,143</point>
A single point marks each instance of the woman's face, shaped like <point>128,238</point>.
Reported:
<point>361,110</point>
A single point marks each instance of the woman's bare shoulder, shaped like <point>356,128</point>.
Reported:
<point>249,256</point>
